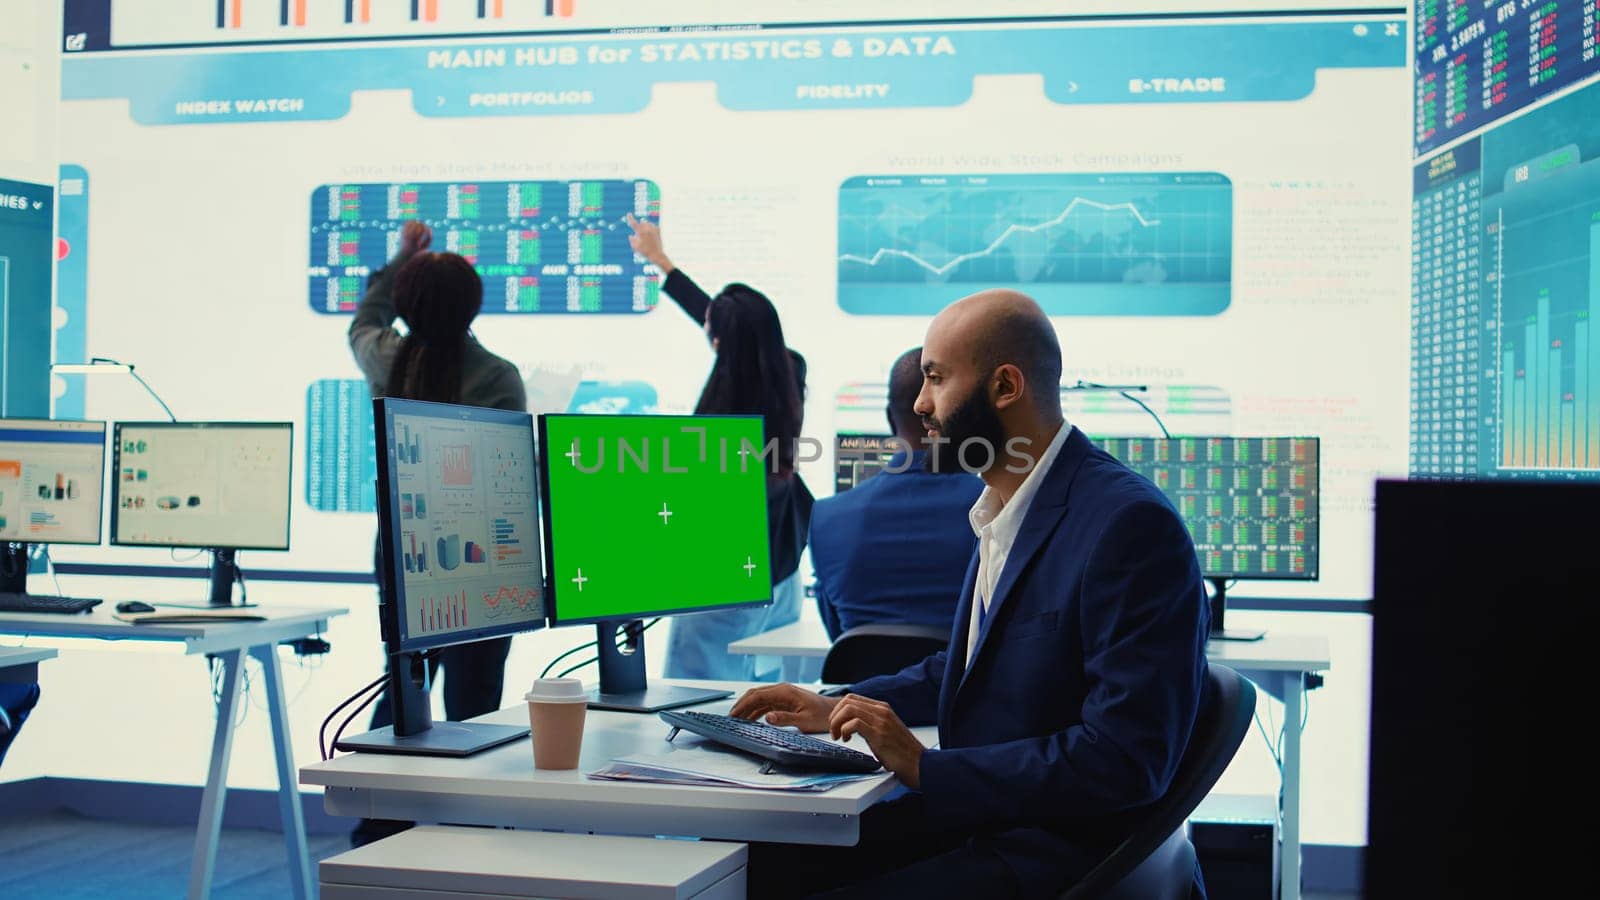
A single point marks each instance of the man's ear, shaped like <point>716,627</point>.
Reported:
<point>1006,386</point>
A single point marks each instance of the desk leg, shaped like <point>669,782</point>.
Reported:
<point>289,812</point>
<point>211,801</point>
<point>1294,697</point>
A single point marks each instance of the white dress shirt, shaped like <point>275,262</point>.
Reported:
<point>996,523</point>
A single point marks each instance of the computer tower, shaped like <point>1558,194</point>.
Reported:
<point>1235,838</point>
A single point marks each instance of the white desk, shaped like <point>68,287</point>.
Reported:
<point>793,644</point>
<point>22,663</point>
<point>500,787</point>
<point>1279,664</point>
<point>229,642</point>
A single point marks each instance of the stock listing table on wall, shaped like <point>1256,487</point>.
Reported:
<point>540,246</point>
<point>1481,60</point>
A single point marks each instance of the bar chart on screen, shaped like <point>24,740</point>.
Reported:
<point>1549,323</point>
<point>444,613</point>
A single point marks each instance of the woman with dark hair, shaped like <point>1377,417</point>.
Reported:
<point>437,295</point>
<point>755,373</point>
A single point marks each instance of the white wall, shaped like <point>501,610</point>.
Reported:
<point>30,82</point>
<point>30,85</point>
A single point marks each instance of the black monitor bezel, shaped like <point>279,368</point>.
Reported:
<point>1316,443</point>
<point>391,617</point>
<point>99,518</point>
<point>553,594</point>
<point>116,484</point>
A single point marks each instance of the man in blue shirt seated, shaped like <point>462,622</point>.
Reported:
<point>1076,667</point>
<point>892,549</point>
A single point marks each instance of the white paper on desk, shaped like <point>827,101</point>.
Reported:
<point>189,616</point>
<point>709,765</point>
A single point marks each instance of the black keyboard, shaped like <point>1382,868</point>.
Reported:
<point>44,603</point>
<point>785,748</point>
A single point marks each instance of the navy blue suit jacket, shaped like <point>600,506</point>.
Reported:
<point>1086,681</point>
<point>892,549</point>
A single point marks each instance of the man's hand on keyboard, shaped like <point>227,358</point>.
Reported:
<point>785,704</point>
<point>891,741</point>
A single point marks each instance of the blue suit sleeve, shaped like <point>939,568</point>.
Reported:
<point>913,692</point>
<point>1144,621</point>
<point>825,605</point>
<point>830,615</point>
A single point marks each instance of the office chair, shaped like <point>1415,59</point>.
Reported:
<point>1156,861</point>
<point>866,651</point>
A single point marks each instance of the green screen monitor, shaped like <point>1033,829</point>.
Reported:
<point>651,516</point>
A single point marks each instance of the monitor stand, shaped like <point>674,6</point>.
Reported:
<point>13,567</point>
<point>414,733</point>
<point>224,572</point>
<point>622,681</point>
<point>1219,605</point>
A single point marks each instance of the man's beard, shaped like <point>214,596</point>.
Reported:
<point>975,421</point>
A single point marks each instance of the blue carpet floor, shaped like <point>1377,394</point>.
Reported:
<point>62,856</point>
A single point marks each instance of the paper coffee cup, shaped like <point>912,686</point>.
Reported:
<point>555,716</point>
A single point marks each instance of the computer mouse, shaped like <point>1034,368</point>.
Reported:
<point>134,606</point>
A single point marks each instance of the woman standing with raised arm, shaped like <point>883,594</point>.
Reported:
<point>755,373</point>
<point>438,296</point>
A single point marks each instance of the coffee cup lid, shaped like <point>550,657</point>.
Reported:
<point>557,690</point>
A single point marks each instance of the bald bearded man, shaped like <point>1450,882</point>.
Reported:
<point>1076,667</point>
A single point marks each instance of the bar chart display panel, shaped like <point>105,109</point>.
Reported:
<point>1547,257</point>
<point>1506,278</point>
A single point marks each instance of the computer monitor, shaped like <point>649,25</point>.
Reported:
<point>1251,504</point>
<point>1483,627</point>
<point>858,456</point>
<point>218,486</point>
<point>652,516</point>
<point>51,481</point>
<point>457,523</point>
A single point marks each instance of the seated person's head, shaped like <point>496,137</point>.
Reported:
<point>992,371</point>
<point>905,383</point>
